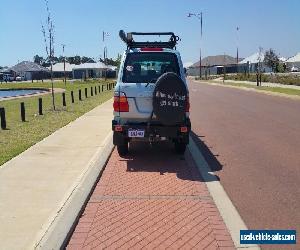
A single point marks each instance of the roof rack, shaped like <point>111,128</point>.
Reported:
<point>131,43</point>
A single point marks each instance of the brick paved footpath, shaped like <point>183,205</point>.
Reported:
<point>152,199</point>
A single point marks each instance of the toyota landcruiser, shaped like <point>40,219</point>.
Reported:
<point>151,98</point>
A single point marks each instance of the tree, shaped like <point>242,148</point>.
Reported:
<point>118,61</point>
<point>86,59</point>
<point>112,62</point>
<point>38,59</point>
<point>48,34</point>
<point>55,59</point>
<point>70,59</point>
<point>74,59</point>
<point>60,59</point>
<point>77,60</point>
<point>271,59</point>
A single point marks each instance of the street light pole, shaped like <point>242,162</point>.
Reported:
<point>105,51</point>
<point>199,16</point>
<point>237,49</point>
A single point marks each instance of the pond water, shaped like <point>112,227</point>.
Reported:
<point>18,92</point>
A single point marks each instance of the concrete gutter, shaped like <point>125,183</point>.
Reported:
<point>230,215</point>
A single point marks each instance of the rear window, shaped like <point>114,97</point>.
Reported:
<point>147,67</point>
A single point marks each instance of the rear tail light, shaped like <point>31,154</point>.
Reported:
<point>183,129</point>
<point>120,102</point>
<point>187,105</point>
<point>118,128</point>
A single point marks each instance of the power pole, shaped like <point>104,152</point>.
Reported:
<point>65,78</point>
<point>104,51</point>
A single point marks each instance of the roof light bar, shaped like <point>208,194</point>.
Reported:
<point>151,49</point>
<point>131,43</point>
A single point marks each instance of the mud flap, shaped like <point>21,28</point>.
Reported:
<point>119,139</point>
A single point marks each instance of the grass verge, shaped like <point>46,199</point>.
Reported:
<point>21,135</point>
<point>286,79</point>
<point>287,91</point>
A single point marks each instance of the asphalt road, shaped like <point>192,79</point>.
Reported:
<point>252,142</point>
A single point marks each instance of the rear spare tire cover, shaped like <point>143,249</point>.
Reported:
<point>169,99</point>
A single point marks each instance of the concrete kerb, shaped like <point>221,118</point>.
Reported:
<point>230,215</point>
<point>63,221</point>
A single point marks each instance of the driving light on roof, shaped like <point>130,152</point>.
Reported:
<point>151,49</point>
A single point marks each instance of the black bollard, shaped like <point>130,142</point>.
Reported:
<point>72,96</point>
<point>99,90</point>
<point>79,94</point>
<point>3,118</point>
<point>40,106</point>
<point>85,92</point>
<point>102,87</point>
<point>106,86</point>
<point>95,90</point>
<point>23,119</point>
<point>64,99</point>
<point>92,91</point>
<point>260,79</point>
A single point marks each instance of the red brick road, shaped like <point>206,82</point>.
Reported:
<point>150,199</point>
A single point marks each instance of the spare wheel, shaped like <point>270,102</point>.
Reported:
<point>169,99</point>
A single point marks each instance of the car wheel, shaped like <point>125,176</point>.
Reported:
<point>123,149</point>
<point>180,147</point>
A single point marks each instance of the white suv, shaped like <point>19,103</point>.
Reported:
<point>151,101</point>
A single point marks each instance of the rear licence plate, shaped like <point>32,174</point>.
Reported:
<point>136,133</point>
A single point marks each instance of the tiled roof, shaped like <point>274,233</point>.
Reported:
<point>216,61</point>
<point>295,58</point>
<point>28,66</point>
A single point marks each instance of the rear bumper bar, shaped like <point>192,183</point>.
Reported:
<point>153,130</point>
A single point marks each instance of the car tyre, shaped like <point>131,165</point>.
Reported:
<point>180,147</point>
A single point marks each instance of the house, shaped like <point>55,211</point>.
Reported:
<point>29,71</point>
<point>213,65</point>
<point>59,69</point>
<point>250,63</point>
<point>3,71</point>
<point>93,70</point>
<point>293,61</point>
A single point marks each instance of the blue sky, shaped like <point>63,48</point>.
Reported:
<point>79,24</point>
